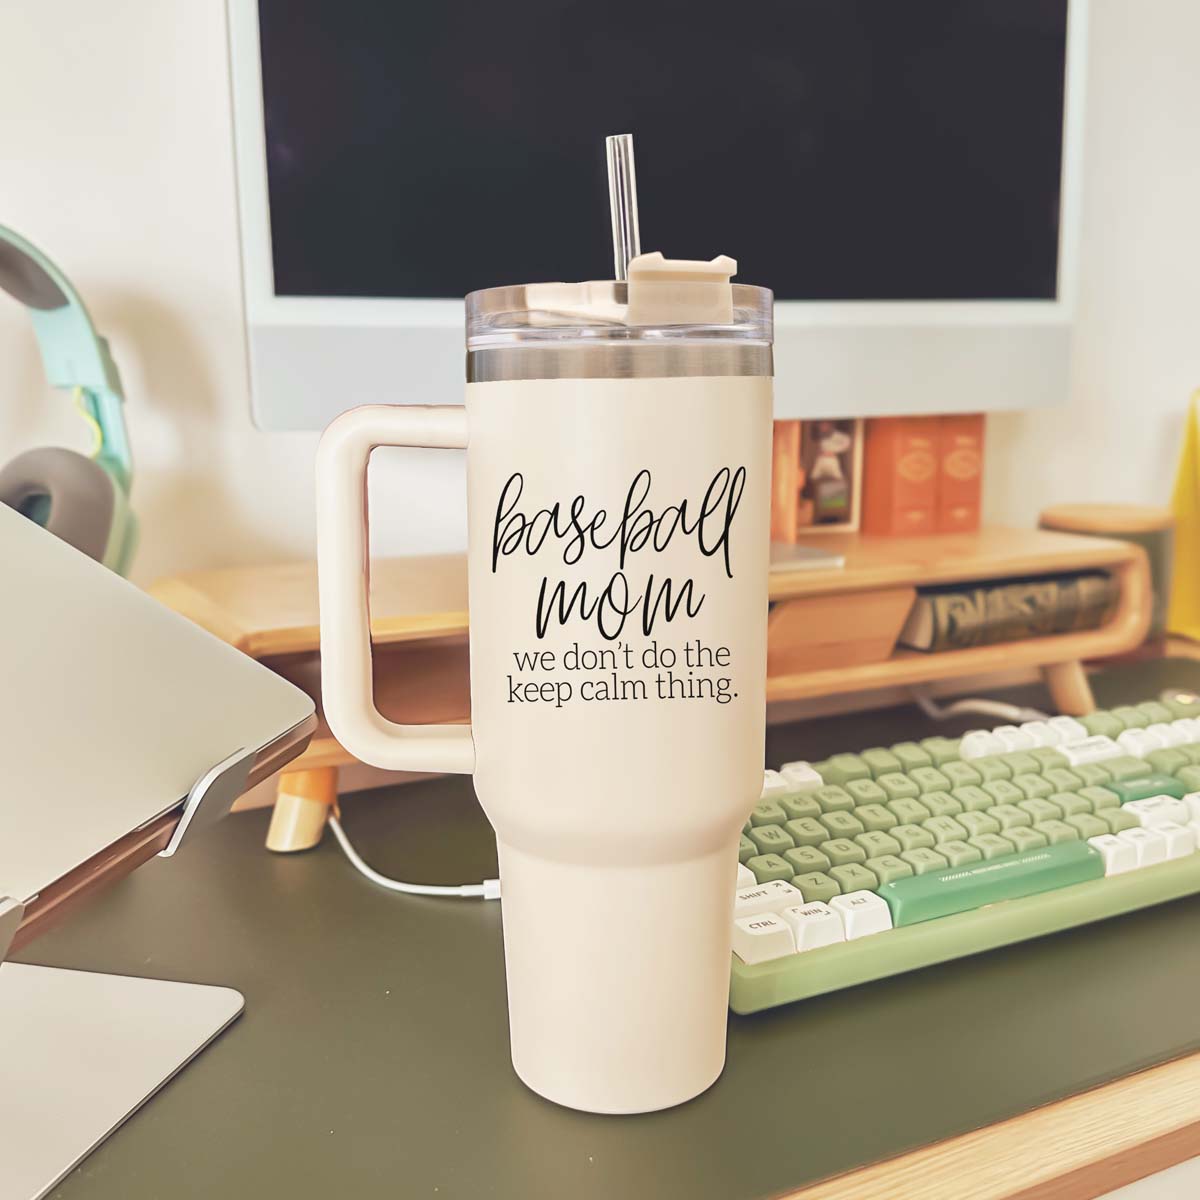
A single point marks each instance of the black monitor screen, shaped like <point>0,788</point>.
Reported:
<point>838,149</point>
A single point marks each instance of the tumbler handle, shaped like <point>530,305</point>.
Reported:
<point>343,566</point>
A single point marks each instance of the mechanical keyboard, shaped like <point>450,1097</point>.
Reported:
<point>866,865</point>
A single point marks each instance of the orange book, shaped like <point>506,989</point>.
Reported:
<point>960,483</point>
<point>900,475</point>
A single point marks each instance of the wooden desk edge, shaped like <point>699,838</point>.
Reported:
<point>134,849</point>
<point>1074,1149</point>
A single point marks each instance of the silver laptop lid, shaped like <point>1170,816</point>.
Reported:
<point>111,707</point>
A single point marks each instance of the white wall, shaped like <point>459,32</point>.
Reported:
<point>117,159</point>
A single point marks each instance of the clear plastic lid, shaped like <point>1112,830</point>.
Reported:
<point>597,312</point>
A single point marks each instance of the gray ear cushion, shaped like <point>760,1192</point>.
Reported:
<point>70,495</point>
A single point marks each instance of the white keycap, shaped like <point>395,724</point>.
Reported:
<point>862,913</point>
<point>978,743</point>
<point>774,786</point>
<point>1150,845</point>
<point>1118,856</point>
<point>762,938</point>
<point>1138,742</point>
<point>1014,738</point>
<point>801,776</point>
<point>1090,750</point>
<point>1158,810</point>
<point>1181,839</point>
<point>1168,733</point>
<point>1042,732</point>
<point>1188,729</point>
<point>1192,803</point>
<point>745,878</point>
<point>814,925</point>
<point>765,897</point>
<point>1069,730</point>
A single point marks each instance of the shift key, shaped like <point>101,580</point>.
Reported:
<point>959,889</point>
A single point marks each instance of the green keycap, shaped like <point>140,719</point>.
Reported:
<point>1167,762</point>
<point>976,823</point>
<point>844,767</point>
<point>833,798</point>
<point>1021,762</point>
<point>1126,767</point>
<point>960,774</point>
<point>1117,819</point>
<point>941,804</point>
<point>841,824</point>
<point>770,866</point>
<point>888,867</point>
<point>771,839</point>
<point>1041,810</point>
<point>1189,777</point>
<point>909,812</point>
<point>925,897</point>
<point>1088,825</point>
<point>958,854</point>
<point>992,845</point>
<point>866,791</point>
<point>1057,832</point>
<point>899,787</point>
<point>881,761</point>
<point>807,831</point>
<point>1070,804</point>
<point>806,859</point>
<point>820,768</point>
<point>924,860</point>
<point>1130,717</point>
<point>746,850</point>
<point>991,767</point>
<point>1004,792</point>
<point>799,806</point>
<point>1190,751</point>
<point>876,844</point>
<point>911,755</point>
<point>945,829</point>
<point>1024,839</point>
<point>1100,798</point>
<point>816,885</point>
<point>1009,816</point>
<point>875,818</point>
<point>912,837</point>
<point>1182,705</point>
<point>854,877</point>
<point>1093,774</point>
<point>767,813</point>
<point>1102,724</point>
<point>1033,787</point>
<point>1142,786</point>
<point>1154,712</point>
<point>1063,780</point>
<point>841,851</point>
<point>975,799</point>
<point>1049,759</point>
<point>930,779</point>
<point>940,749</point>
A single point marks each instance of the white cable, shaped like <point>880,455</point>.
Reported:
<point>489,889</point>
<point>989,708</point>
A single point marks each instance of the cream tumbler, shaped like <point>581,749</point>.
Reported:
<point>618,534</point>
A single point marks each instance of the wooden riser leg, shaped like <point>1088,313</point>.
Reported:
<point>302,804</point>
<point>1069,688</point>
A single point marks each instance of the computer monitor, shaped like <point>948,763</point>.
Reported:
<point>904,176</point>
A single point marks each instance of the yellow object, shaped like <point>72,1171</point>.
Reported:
<point>1183,616</point>
<point>81,406</point>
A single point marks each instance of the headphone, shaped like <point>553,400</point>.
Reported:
<point>83,500</point>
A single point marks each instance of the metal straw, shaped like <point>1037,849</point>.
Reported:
<point>622,200</point>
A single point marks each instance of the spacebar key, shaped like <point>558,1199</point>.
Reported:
<point>958,889</point>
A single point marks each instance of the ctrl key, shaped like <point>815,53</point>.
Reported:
<point>761,938</point>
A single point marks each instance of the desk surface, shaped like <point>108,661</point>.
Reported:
<point>372,1058</point>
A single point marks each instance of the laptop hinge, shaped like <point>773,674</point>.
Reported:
<point>11,912</point>
<point>211,797</point>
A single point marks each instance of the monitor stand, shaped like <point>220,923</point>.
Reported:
<point>81,1052</point>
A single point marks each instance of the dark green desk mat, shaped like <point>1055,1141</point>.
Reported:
<point>372,1056</point>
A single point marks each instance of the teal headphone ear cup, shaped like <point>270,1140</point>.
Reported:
<point>69,495</point>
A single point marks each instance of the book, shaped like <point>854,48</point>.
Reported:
<point>960,473</point>
<point>956,618</point>
<point>900,475</point>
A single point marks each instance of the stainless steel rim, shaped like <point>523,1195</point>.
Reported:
<point>631,361</point>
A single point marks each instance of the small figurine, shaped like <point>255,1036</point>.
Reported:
<point>832,442</point>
